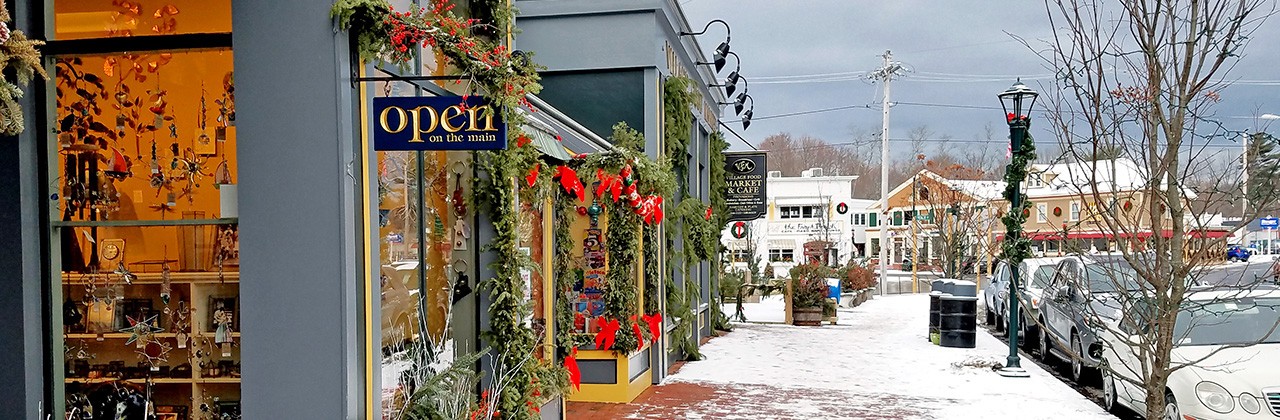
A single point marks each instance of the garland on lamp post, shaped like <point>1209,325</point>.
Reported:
<point>1017,250</point>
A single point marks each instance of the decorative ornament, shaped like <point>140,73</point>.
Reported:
<point>594,211</point>
<point>141,331</point>
<point>1057,211</point>
<point>582,211</point>
<point>125,274</point>
<point>166,284</point>
<point>459,202</point>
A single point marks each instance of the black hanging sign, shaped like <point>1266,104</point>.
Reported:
<point>745,185</point>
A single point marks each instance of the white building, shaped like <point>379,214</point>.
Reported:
<point>811,209</point>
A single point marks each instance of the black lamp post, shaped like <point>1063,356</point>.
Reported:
<point>1016,102</point>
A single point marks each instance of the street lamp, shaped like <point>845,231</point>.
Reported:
<point>1016,102</point>
<point>722,50</point>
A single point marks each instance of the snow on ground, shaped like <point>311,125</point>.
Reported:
<point>876,363</point>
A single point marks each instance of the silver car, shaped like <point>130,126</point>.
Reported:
<point>1085,292</point>
<point>1030,290</point>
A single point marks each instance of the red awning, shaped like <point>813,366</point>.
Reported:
<point>1053,236</point>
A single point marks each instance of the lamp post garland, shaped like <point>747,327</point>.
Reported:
<point>1015,247</point>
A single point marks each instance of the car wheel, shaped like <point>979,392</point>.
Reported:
<point>1109,392</point>
<point>1171,408</point>
<point>1029,333</point>
<point>1000,327</point>
<point>1079,372</point>
<point>1042,339</point>
<point>991,317</point>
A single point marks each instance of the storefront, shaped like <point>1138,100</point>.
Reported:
<point>208,229</point>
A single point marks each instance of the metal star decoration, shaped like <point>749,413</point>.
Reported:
<point>141,331</point>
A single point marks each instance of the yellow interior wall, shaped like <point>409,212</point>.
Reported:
<point>80,19</point>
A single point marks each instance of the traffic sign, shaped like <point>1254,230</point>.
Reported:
<point>1269,222</point>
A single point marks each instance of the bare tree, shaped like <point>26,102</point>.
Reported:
<point>1137,80</point>
<point>955,200</point>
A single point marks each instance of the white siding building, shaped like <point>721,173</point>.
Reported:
<point>809,209</point>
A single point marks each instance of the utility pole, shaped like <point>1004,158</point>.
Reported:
<point>886,74</point>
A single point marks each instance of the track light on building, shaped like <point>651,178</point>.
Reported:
<point>722,51</point>
<point>731,83</point>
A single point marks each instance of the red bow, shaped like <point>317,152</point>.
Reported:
<point>651,209</point>
<point>522,140</point>
<point>575,375</point>
<point>608,330</point>
<point>569,180</point>
<point>533,174</point>
<point>655,324</point>
<point>708,212</point>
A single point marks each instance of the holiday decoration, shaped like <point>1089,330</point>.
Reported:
<point>141,331</point>
<point>635,329</point>
<point>1057,211</point>
<point>608,331</point>
<point>575,375</point>
<point>655,325</point>
<point>570,182</point>
<point>532,178</point>
<point>19,58</point>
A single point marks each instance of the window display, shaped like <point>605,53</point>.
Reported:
<point>143,191</point>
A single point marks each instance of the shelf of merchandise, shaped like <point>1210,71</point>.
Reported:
<point>112,336</point>
<point>196,277</point>
<point>135,380</point>
<point>145,223</point>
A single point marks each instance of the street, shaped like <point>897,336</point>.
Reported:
<point>1239,274</point>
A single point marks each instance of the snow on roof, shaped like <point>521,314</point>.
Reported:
<point>982,190</point>
<point>1076,177</point>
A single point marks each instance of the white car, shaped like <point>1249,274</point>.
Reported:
<point>1234,383</point>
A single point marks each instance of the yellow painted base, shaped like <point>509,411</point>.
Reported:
<point>622,392</point>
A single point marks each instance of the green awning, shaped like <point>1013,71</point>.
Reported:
<point>546,142</point>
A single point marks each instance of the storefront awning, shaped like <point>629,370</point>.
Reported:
<point>555,134</point>
<point>1053,236</point>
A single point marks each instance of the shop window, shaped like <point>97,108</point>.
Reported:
<point>1035,180</point>
<point>1042,213</point>
<point>740,255</point>
<point>1075,211</point>
<point>146,227</point>
<point>801,212</point>
<point>84,19</point>
<point>781,255</point>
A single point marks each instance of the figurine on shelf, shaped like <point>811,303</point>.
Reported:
<point>222,336</point>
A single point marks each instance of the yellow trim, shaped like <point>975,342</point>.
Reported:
<point>622,392</point>
<point>368,248</point>
<point>548,281</point>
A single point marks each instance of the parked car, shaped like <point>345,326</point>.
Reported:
<point>1085,292</point>
<point>1237,253</point>
<point>996,292</point>
<point>1235,382</point>
<point>1030,292</point>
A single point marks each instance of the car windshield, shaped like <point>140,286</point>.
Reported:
<point>1237,321</point>
<point>1111,277</point>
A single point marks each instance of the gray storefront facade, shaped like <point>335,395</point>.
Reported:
<point>303,340</point>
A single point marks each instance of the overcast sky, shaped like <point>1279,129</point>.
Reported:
<point>958,52</point>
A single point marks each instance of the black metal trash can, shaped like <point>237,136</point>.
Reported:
<point>935,315</point>
<point>958,321</point>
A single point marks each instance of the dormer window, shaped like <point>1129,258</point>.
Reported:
<point>1035,180</point>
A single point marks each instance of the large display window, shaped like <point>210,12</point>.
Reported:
<point>143,190</point>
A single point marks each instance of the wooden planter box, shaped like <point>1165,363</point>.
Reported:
<point>808,317</point>
<point>612,378</point>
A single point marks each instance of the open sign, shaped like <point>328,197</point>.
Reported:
<point>437,123</point>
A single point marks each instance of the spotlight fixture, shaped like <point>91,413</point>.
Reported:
<point>746,118</point>
<point>722,51</point>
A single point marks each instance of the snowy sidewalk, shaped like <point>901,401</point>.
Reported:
<point>876,364</point>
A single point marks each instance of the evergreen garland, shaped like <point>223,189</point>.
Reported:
<point>19,59</point>
<point>505,77</point>
<point>677,123</point>
<point>677,100</point>
<point>1017,250</point>
<point>719,218</point>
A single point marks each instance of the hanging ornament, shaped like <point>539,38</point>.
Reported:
<point>594,211</point>
<point>166,284</point>
<point>141,331</point>
<point>124,273</point>
<point>459,203</point>
<point>582,211</point>
<point>119,165</point>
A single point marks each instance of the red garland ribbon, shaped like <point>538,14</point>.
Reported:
<point>575,375</point>
<point>655,325</point>
<point>533,174</point>
<point>635,329</point>
<point>570,182</point>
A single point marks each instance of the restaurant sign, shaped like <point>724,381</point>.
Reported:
<point>745,195</point>
<point>437,123</point>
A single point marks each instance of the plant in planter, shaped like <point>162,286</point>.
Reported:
<point>859,280</point>
<point>809,302</point>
